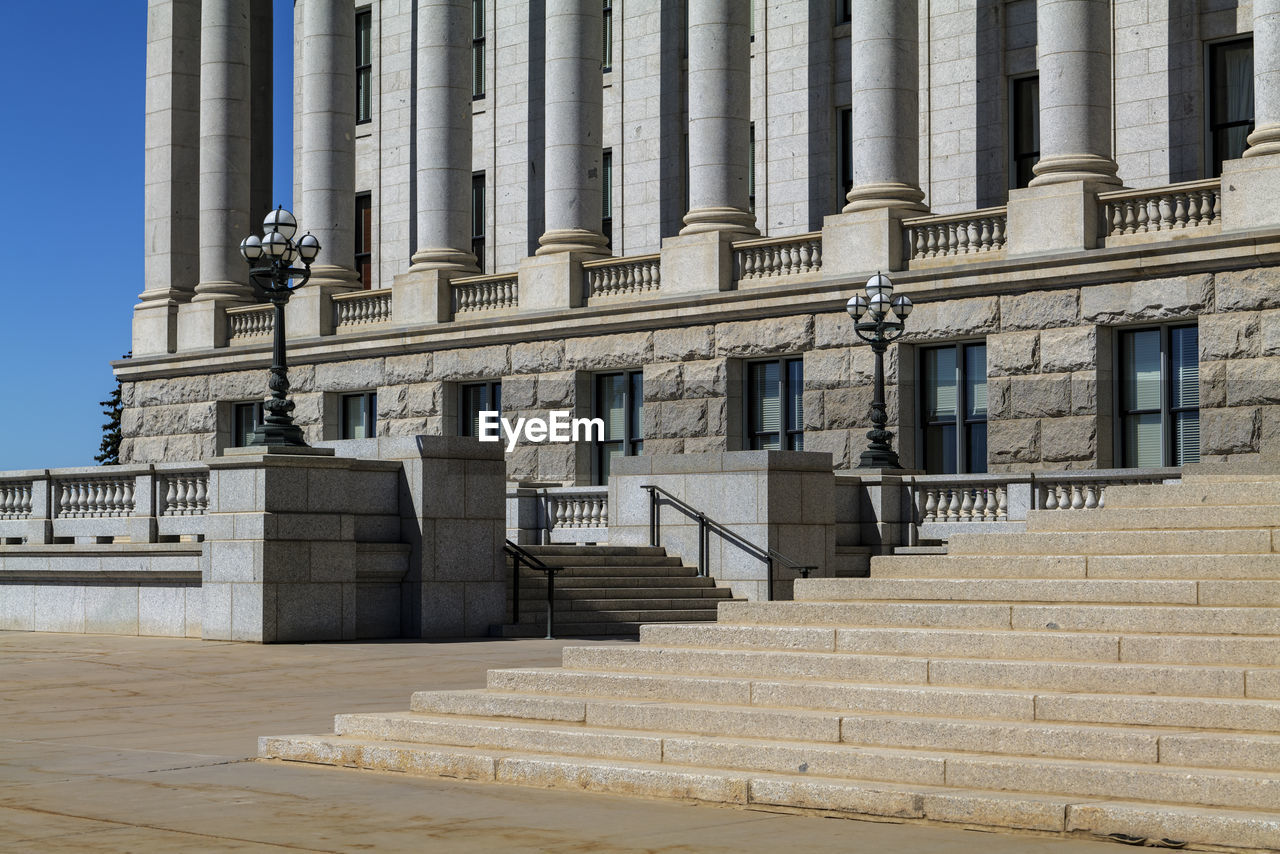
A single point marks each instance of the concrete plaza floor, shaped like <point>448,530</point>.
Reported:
<point>147,744</point>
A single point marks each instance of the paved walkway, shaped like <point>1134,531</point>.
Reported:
<point>146,744</point>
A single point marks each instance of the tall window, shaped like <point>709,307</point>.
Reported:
<point>619,399</point>
<point>1159,397</point>
<point>364,67</point>
<point>477,218</point>
<point>608,36</point>
<point>474,398</point>
<point>775,405</point>
<point>477,49</point>
<point>359,415</point>
<point>844,11</point>
<point>751,173</point>
<point>364,239</point>
<point>1230,100</point>
<point>606,206</point>
<point>1024,129</point>
<point>846,156</point>
<point>954,391</point>
<point>244,418</point>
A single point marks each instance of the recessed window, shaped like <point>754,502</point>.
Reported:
<point>1230,100</point>
<point>474,398</point>
<point>364,239</point>
<point>1024,129</point>
<point>359,415</point>
<point>846,156</point>
<point>751,170</point>
<point>364,67</point>
<point>607,53</point>
<point>245,417</point>
<point>619,402</point>
<point>477,218</point>
<point>844,11</point>
<point>477,49</point>
<point>775,405</point>
<point>954,423</point>
<point>606,205</point>
<point>1159,397</point>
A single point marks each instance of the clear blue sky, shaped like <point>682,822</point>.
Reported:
<point>71,172</point>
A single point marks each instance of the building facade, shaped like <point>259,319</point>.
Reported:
<point>653,212</point>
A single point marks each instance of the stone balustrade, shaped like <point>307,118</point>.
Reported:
<point>977,233</point>
<point>88,497</point>
<point>977,502</point>
<point>558,514</point>
<point>15,499</point>
<point>485,293</point>
<point>1192,205</point>
<point>578,508</point>
<point>184,494</point>
<point>622,276</point>
<point>361,308</point>
<point>772,258</point>
<point>250,323</point>
<point>1087,490</point>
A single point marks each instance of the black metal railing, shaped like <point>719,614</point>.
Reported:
<point>706,527</point>
<point>520,557</point>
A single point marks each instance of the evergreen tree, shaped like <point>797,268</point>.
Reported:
<point>112,408</point>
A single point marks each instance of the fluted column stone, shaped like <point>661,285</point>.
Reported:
<point>719,118</point>
<point>886,106</point>
<point>574,117</point>
<point>1265,138</point>
<point>1074,55</point>
<point>444,137</point>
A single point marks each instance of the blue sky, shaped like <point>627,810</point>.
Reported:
<point>71,222</point>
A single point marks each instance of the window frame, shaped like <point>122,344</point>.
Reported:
<point>259,418</point>
<point>368,402</point>
<point>606,191</point>
<point>1167,411</point>
<point>751,169</point>
<point>1212,167</point>
<point>1016,156</point>
<point>478,217</point>
<point>844,151</point>
<point>632,441</point>
<point>492,395</point>
<point>364,238</point>
<point>606,53</point>
<point>478,59</point>
<point>963,422</point>
<point>364,70</point>
<point>790,434</point>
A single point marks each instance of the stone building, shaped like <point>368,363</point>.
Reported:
<point>653,211</point>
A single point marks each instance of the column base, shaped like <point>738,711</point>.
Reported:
<point>332,274</point>
<point>451,260</point>
<point>886,194</point>
<point>1059,217</point>
<point>1263,141</point>
<point>700,262</point>
<point>423,296</point>
<point>735,221</point>
<point>1092,169</point>
<point>579,240</point>
<point>1250,187</point>
<point>155,327</point>
<point>864,241</point>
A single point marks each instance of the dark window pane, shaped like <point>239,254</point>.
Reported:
<point>940,448</point>
<point>976,448</point>
<point>1025,121</point>
<point>1231,100</point>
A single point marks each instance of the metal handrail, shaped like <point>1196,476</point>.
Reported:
<point>705,526</point>
<point>520,555</point>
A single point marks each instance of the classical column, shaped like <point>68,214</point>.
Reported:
<point>719,118</point>
<point>172,172</point>
<point>329,137</point>
<point>1074,53</point>
<point>444,137</point>
<point>886,106</point>
<point>1265,138</point>
<point>224,149</point>
<point>574,117</point>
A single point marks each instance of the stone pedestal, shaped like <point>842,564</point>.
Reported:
<point>553,281</point>
<point>422,296</point>
<point>780,500</point>
<point>1250,187</point>
<point>155,327</point>
<point>883,508</point>
<point>863,242</point>
<point>1059,217</point>
<point>309,312</point>
<point>203,325</point>
<point>698,263</point>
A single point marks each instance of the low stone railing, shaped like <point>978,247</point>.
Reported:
<point>250,322</point>
<point>610,277</point>
<point>1087,490</point>
<point>1192,205</point>
<point>139,504</point>
<point>955,235</point>
<point>558,514</point>
<point>971,502</point>
<point>361,308</point>
<point>774,257</point>
<point>485,293</point>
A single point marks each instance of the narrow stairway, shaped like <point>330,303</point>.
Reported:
<point>1109,673</point>
<point>604,591</point>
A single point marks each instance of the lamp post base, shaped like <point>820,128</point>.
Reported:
<point>879,458</point>
<point>276,435</point>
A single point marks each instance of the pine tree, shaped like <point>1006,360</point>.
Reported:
<point>112,408</point>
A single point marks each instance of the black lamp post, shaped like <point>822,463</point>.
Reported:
<point>271,260</point>
<point>878,330</point>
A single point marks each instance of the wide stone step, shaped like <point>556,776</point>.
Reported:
<point>575,593</point>
<point>536,628</point>
<point>1195,493</point>
<point>565,581</point>
<point>980,807</point>
<point>1155,518</point>
<point>1219,542</point>
<point>1164,592</point>
<point>572,551</point>
<point>1137,567</point>
<point>597,565</point>
<point>1095,677</point>
<point>535,612</point>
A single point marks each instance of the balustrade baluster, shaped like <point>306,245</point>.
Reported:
<point>979,509</point>
<point>966,505</point>
<point>930,513</point>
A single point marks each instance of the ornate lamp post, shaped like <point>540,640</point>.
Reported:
<point>878,330</point>
<point>271,260</point>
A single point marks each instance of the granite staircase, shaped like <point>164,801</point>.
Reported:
<point>1109,673</point>
<point>604,591</point>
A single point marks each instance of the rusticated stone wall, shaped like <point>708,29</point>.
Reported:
<point>1049,364</point>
